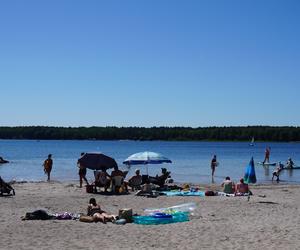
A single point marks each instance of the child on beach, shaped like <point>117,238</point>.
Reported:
<point>48,166</point>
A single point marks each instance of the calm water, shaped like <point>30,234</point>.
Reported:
<point>191,160</point>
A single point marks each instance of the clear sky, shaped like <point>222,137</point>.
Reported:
<point>149,63</point>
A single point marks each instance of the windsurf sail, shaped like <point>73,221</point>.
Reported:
<point>250,176</point>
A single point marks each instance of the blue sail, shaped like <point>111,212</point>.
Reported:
<point>250,176</point>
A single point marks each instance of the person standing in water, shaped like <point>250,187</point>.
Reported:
<point>48,166</point>
<point>213,165</point>
<point>82,173</point>
<point>267,155</point>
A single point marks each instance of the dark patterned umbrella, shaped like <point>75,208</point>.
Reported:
<point>97,161</point>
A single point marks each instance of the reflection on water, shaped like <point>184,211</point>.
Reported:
<point>290,172</point>
<point>267,170</point>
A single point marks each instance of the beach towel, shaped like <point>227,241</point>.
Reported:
<point>64,216</point>
<point>232,195</point>
<point>184,193</point>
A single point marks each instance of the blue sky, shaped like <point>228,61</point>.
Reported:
<point>149,63</point>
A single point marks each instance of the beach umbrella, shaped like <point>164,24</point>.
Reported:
<point>97,161</point>
<point>250,176</point>
<point>145,158</point>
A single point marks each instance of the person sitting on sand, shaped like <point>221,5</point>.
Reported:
<point>277,171</point>
<point>228,186</point>
<point>160,180</point>
<point>242,187</point>
<point>135,181</point>
<point>146,189</point>
<point>5,187</point>
<point>97,213</point>
<point>102,179</point>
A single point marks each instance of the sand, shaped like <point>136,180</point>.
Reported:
<point>270,220</point>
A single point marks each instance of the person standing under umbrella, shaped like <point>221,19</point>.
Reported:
<point>48,166</point>
<point>82,173</point>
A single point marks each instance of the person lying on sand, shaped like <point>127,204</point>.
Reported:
<point>97,213</point>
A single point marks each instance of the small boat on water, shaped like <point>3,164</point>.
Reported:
<point>252,142</point>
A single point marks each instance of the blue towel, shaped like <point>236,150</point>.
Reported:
<point>184,193</point>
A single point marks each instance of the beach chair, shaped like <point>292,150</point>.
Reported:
<point>135,183</point>
<point>6,188</point>
<point>100,181</point>
<point>117,183</point>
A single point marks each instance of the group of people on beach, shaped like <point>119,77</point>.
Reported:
<point>276,172</point>
<point>239,189</point>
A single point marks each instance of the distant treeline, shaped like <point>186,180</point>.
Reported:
<point>260,133</point>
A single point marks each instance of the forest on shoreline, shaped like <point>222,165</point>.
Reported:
<point>233,133</point>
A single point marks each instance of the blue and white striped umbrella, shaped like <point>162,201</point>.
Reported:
<point>144,158</point>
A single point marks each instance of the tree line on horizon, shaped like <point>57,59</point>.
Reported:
<point>233,133</point>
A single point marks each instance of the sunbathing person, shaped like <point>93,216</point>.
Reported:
<point>242,188</point>
<point>160,180</point>
<point>135,181</point>
<point>228,186</point>
<point>146,189</point>
<point>97,213</point>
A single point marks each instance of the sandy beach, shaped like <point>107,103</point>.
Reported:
<point>269,220</point>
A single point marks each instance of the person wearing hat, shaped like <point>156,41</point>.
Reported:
<point>48,166</point>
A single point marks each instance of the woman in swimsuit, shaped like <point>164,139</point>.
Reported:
<point>97,213</point>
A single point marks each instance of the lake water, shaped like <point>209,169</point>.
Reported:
<point>190,160</point>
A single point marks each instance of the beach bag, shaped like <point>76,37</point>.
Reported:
<point>89,188</point>
<point>209,193</point>
<point>126,213</point>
